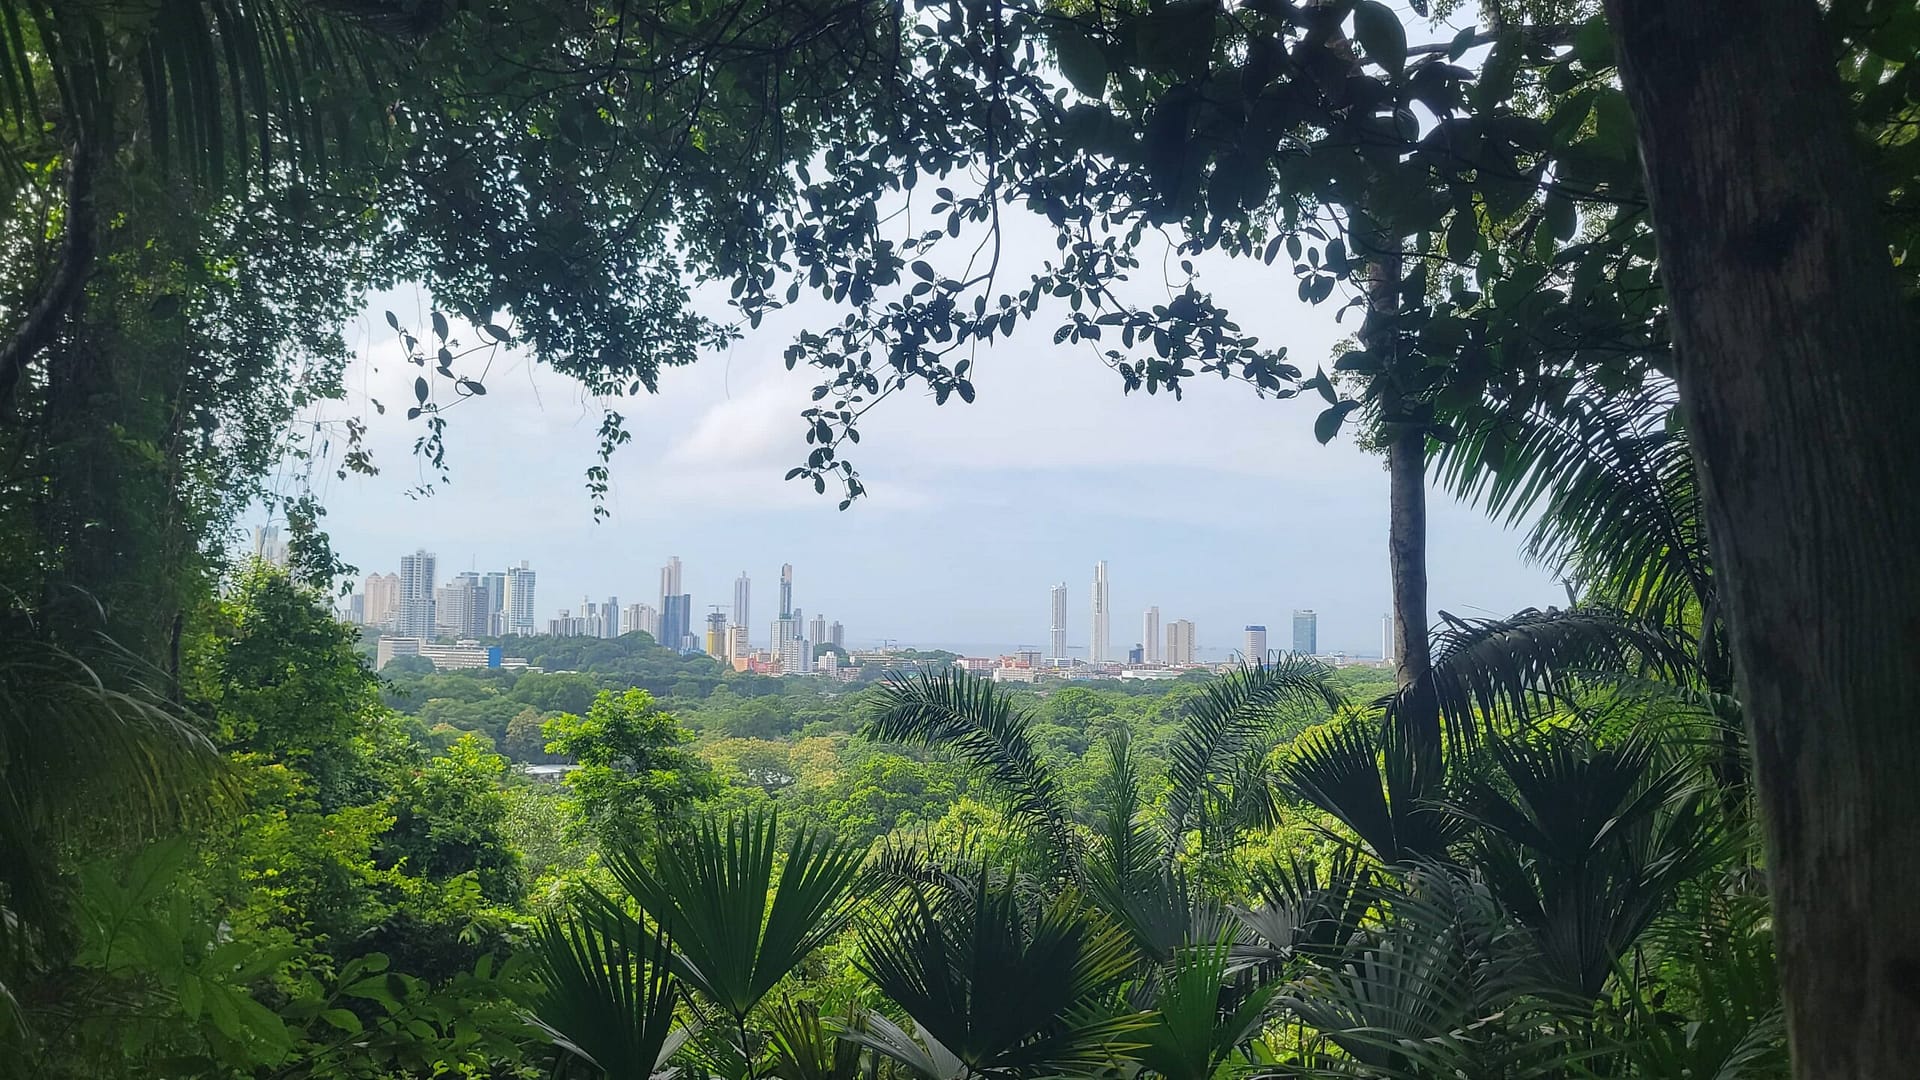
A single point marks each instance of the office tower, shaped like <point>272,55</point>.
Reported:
<point>460,607</point>
<point>817,629</point>
<point>1386,638</point>
<point>268,545</point>
<point>383,598</point>
<point>738,647</point>
<point>1254,649</point>
<point>786,589</point>
<point>796,653</point>
<point>837,635</point>
<point>518,601</point>
<point>1150,636</point>
<point>743,602</point>
<point>1180,643</point>
<point>642,617</point>
<point>1057,629</point>
<point>610,618</point>
<point>676,609</point>
<point>1137,655</point>
<point>1306,632</point>
<point>717,633</point>
<point>414,615</point>
<point>357,609</point>
<point>676,622</point>
<point>1102,622</point>
<point>493,602</point>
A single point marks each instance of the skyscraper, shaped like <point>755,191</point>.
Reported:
<point>610,618</point>
<point>676,610</point>
<point>1057,629</point>
<point>743,604</point>
<point>1254,649</point>
<point>413,616</point>
<point>643,617</point>
<point>383,598</point>
<point>518,604</point>
<point>837,635</point>
<point>493,602</point>
<point>1102,621</point>
<point>1306,632</point>
<point>717,634</point>
<point>817,629</point>
<point>1386,638</point>
<point>786,589</point>
<point>461,607</point>
<point>268,545</point>
<point>1150,636</point>
<point>1180,643</point>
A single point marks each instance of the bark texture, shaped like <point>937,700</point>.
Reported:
<point>1799,383</point>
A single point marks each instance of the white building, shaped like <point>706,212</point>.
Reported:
<point>1099,651</point>
<point>268,545</point>
<point>415,614</point>
<point>1180,643</point>
<point>1150,635</point>
<point>1254,648</point>
<point>743,605</point>
<point>1057,629</point>
<point>383,599</point>
<point>517,602</point>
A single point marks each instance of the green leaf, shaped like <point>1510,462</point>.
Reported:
<point>1593,44</point>
<point>1327,424</point>
<point>344,1019</point>
<point>1082,61</point>
<point>1380,33</point>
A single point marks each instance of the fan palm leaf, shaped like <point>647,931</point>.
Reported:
<point>805,1047</point>
<point>999,991</point>
<point>1232,716</point>
<point>741,910</point>
<point>971,716</point>
<point>1379,785</point>
<point>1195,1027</point>
<point>607,995</point>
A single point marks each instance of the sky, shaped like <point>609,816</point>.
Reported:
<point>1221,508</point>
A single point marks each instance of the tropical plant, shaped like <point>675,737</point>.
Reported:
<point>607,992</point>
<point>1198,1022</point>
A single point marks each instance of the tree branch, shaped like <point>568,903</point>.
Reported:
<point>70,272</point>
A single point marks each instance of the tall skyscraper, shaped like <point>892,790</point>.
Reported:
<point>676,610</point>
<point>743,603</point>
<point>1386,638</point>
<point>610,618</point>
<point>414,616</point>
<point>268,545</point>
<point>644,617</point>
<point>1180,643</point>
<point>837,635</point>
<point>1057,629</point>
<point>493,602</point>
<point>1306,632</point>
<point>383,598</point>
<point>1254,648</point>
<point>461,607</point>
<point>1102,616</point>
<point>817,629</point>
<point>1150,636</point>
<point>717,634</point>
<point>518,604</point>
<point>786,589</point>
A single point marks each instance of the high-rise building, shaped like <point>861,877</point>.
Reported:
<point>743,603</point>
<point>610,618</point>
<point>796,653</point>
<point>1098,652</point>
<point>357,609</point>
<point>414,614</point>
<point>817,629</point>
<point>717,634</point>
<point>738,647</point>
<point>786,589</point>
<point>517,604</point>
<point>643,617</point>
<point>676,610</point>
<point>383,599</point>
<point>460,607</point>
<point>837,635</point>
<point>1150,636</point>
<point>676,623</point>
<point>493,602</point>
<point>1137,655</point>
<point>1306,632</point>
<point>1057,628</point>
<point>1254,649</point>
<point>1386,638</point>
<point>1180,643</point>
<point>268,545</point>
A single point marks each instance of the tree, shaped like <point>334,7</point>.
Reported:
<point>1798,355</point>
<point>635,775</point>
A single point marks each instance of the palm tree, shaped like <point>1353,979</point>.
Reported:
<point>608,993</point>
<point>996,989</point>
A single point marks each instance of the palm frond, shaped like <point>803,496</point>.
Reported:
<point>968,714</point>
<point>1195,1027</point>
<point>1124,850</point>
<point>1487,669</point>
<point>1230,716</point>
<point>1305,909</point>
<point>1379,785</point>
<point>736,929</point>
<point>999,991</point>
<point>606,994</point>
<point>1614,486</point>
<point>805,1047</point>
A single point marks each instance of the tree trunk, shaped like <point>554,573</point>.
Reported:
<point>1799,381</point>
<point>1406,512</point>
